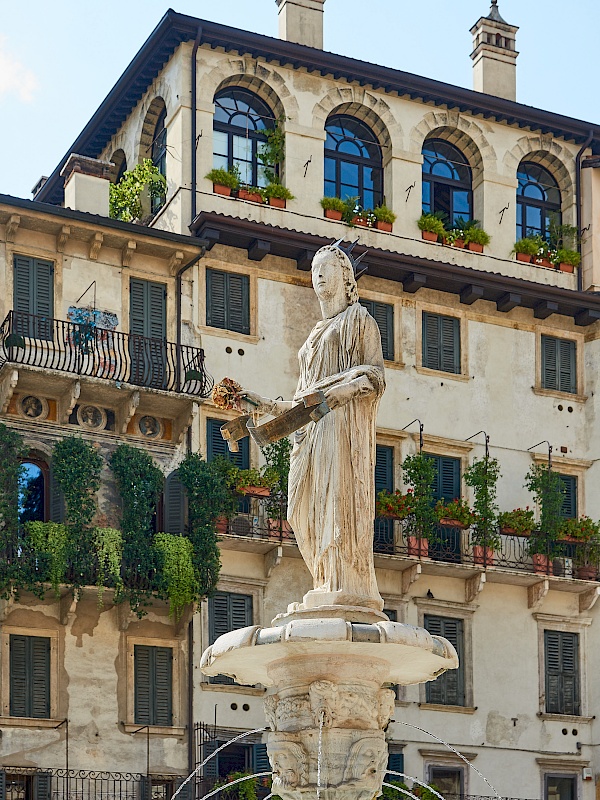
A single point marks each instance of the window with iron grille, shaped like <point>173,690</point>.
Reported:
<point>383,314</point>
<point>228,301</point>
<point>153,685</point>
<point>441,343</point>
<point>559,364</point>
<point>562,674</point>
<point>449,688</point>
<point>29,670</point>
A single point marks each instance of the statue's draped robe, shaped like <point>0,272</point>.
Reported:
<point>331,484</point>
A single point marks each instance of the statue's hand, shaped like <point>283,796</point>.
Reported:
<point>339,395</point>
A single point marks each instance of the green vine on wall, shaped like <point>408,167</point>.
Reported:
<point>179,578</point>
<point>125,197</point>
<point>51,543</point>
<point>271,153</point>
<point>12,451</point>
<point>108,544</point>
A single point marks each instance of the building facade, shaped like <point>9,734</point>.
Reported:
<point>476,344</point>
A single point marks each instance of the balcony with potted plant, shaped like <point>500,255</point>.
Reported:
<point>482,476</point>
<point>419,526</point>
<point>585,533</point>
<point>454,514</point>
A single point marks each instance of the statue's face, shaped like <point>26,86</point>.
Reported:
<point>327,275</point>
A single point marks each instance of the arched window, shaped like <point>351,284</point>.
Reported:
<point>34,491</point>
<point>352,161</point>
<point>446,181</point>
<point>159,155</point>
<point>120,165</point>
<point>538,201</point>
<point>240,121</point>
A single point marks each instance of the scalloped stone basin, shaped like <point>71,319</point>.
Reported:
<point>328,678</point>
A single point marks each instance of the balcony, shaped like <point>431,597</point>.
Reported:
<point>84,350</point>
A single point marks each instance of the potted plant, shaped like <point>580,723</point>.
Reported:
<point>431,227</point>
<point>476,238</point>
<point>276,194</point>
<point>482,476</point>
<point>567,260</point>
<point>394,505</point>
<point>543,257</point>
<point>384,218</point>
<point>419,474</point>
<point>251,193</point>
<point>276,471</point>
<point>518,522</point>
<point>548,490</point>
<point>364,218</point>
<point>586,533</point>
<point>224,180</point>
<point>525,249</point>
<point>333,207</point>
<point>251,482</point>
<point>454,238</point>
<point>455,514</point>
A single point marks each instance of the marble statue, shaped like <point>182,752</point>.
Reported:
<point>331,483</point>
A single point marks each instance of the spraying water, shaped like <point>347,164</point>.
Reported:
<point>320,754</point>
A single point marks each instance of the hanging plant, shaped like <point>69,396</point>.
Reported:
<point>50,544</point>
<point>419,474</point>
<point>109,552</point>
<point>271,153</point>
<point>482,476</point>
<point>125,196</point>
<point>12,472</point>
<point>178,575</point>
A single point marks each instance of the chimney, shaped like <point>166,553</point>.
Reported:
<point>86,184</point>
<point>494,55</point>
<point>301,21</point>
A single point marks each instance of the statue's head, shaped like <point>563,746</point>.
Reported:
<point>333,273</point>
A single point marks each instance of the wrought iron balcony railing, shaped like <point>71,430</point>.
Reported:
<point>86,350</point>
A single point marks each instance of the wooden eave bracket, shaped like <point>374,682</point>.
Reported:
<point>272,559</point>
<point>127,253</point>
<point>62,237</point>
<point>67,606</point>
<point>409,576</point>
<point>8,384</point>
<point>126,410</point>
<point>67,402</point>
<point>12,225</point>
<point>474,585</point>
<point>95,245</point>
<point>536,593</point>
<point>175,261</point>
<point>587,599</point>
<point>183,422</point>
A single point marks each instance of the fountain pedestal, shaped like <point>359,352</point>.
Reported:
<point>329,706</point>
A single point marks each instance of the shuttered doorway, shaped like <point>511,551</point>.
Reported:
<point>148,331</point>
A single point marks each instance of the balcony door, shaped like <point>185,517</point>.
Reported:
<point>148,329</point>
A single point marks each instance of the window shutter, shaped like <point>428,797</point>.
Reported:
<point>215,299</point>
<point>33,293</point>
<point>570,672</point>
<point>42,782</point>
<point>18,676</point>
<point>29,676</point>
<point>157,308</point>
<point>187,793</point>
<point>562,672</point>
<point>431,340</point>
<point>163,682</point>
<point>23,285</point>
<point>395,764</point>
<point>566,366</point>
<point>569,504</point>
<point>137,307</point>
<point>450,345</point>
<point>549,359</point>
<point>391,614</point>
<point>241,611</point>
<point>384,468</point>
<point>174,504</point>
<point>43,300</point>
<point>383,314</point>
<point>260,758</point>
<point>227,612</point>
<point>2,785</point>
<point>211,768</point>
<point>143,688</point>
<point>448,689</point>
<point>40,677</point>
<point>145,788</point>
<point>57,501</point>
<point>238,297</point>
<point>446,484</point>
<point>218,616</point>
<point>217,446</point>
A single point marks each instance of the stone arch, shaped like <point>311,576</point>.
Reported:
<point>369,108</point>
<point>460,131</point>
<point>257,77</point>
<point>548,153</point>
<point>155,109</point>
<point>119,161</point>
<point>157,98</point>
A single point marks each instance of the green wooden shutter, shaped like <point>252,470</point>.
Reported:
<point>562,672</point>
<point>145,788</point>
<point>384,468</point>
<point>217,446</point>
<point>147,309</point>
<point>569,504</point>
<point>227,612</point>
<point>260,759</point>
<point>383,314</point>
<point>42,784</point>
<point>395,764</point>
<point>29,676</point>
<point>446,484</point>
<point>137,307</point>
<point>153,685</point>
<point>218,616</point>
<point>2,785</point>
<point>33,293</point>
<point>157,308</point>
<point>142,684</point>
<point>216,293</point>
<point>238,302</point>
<point>449,688</point>
<point>188,791</point>
<point>559,364</point>
<point>441,343</point>
<point>174,504</point>
<point>163,683</point>
<point>431,340</point>
<point>211,768</point>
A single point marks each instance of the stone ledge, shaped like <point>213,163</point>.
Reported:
<point>254,691</point>
<point>29,722</point>
<point>452,709</point>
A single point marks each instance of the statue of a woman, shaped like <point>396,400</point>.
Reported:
<point>331,499</point>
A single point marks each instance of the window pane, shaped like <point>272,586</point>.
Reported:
<point>447,780</point>
<point>534,218</point>
<point>220,162</point>
<point>220,143</point>
<point>369,199</point>
<point>245,169</point>
<point>348,191</point>
<point>329,188</point>
<point>462,206</point>
<point>426,197</point>
<point>261,171</point>
<point>560,788</point>
<point>350,147</point>
<point>368,178</point>
<point>349,173</point>
<point>329,169</point>
<point>242,148</point>
<point>31,494</point>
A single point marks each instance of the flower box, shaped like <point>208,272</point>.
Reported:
<point>277,202</point>
<point>541,564</point>
<point>429,236</point>
<point>483,555</point>
<point>384,226</point>
<point>218,188</point>
<point>417,546</point>
<point>331,213</point>
<point>448,522</point>
<point>524,257</point>
<point>544,262</point>
<point>566,267</point>
<point>361,222</point>
<point>587,572</point>
<point>507,531</point>
<point>475,247</point>
<point>460,243</point>
<point>253,197</point>
<point>255,491</point>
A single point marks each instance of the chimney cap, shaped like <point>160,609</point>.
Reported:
<point>88,166</point>
<point>495,13</point>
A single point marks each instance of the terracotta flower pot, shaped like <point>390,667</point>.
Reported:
<point>417,546</point>
<point>460,243</point>
<point>587,572</point>
<point>541,564</point>
<point>508,531</point>
<point>253,197</point>
<point>544,262</point>
<point>483,555</point>
<point>280,528</point>
<point>218,188</point>
<point>277,202</point>
<point>566,267</point>
<point>221,524</point>
<point>255,491</point>
<point>429,236</point>
<point>524,257</point>
<point>331,213</point>
<point>384,226</point>
<point>474,247</point>
<point>360,222</point>
<point>447,522</point>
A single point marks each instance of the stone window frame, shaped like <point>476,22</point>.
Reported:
<point>251,273</point>
<point>561,768</point>
<point>444,758</point>
<point>572,336</point>
<point>577,467</point>
<point>452,610</point>
<point>396,303</point>
<point>178,726</point>
<point>553,622</point>
<point>55,652</point>
<point>444,311</point>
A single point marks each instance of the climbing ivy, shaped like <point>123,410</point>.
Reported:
<point>108,544</point>
<point>271,153</point>
<point>177,571</point>
<point>51,544</point>
<point>12,472</point>
<point>125,196</point>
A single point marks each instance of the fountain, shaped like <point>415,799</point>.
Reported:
<point>329,659</point>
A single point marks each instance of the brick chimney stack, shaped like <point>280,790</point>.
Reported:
<point>86,184</point>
